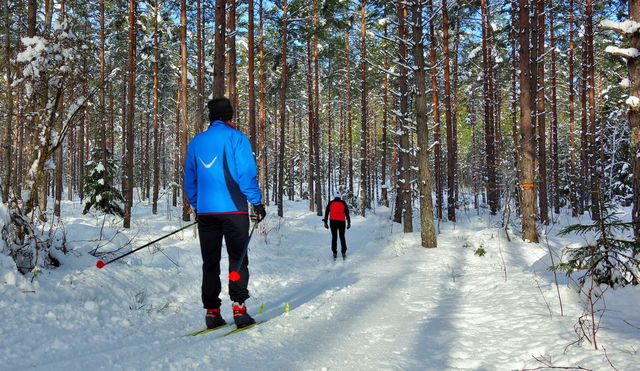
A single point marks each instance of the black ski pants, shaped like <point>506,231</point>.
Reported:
<point>234,229</point>
<point>338,226</point>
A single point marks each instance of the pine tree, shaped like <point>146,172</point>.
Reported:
<point>98,185</point>
<point>609,259</point>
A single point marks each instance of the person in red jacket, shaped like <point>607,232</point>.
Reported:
<point>338,214</point>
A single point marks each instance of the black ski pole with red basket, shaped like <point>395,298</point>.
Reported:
<point>101,263</point>
<point>234,274</point>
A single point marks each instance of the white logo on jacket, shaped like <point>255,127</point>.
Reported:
<point>209,164</point>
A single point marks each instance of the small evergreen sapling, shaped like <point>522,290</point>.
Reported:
<point>609,259</point>
<point>101,194</point>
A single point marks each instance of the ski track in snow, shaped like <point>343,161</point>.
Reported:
<point>391,305</point>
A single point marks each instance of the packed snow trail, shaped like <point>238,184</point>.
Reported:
<point>391,305</point>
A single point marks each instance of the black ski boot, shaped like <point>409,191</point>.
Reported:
<point>335,256</point>
<point>240,315</point>
<point>213,318</point>
<point>344,256</point>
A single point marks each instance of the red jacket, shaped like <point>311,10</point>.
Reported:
<point>337,210</point>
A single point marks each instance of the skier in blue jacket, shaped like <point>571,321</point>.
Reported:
<point>219,179</point>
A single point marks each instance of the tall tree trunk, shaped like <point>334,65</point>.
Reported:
<point>32,9</point>
<point>232,70</point>
<point>261,148</point>
<point>583,184</point>
<point>330,144</point>
<point>219,52</point>
<point>131,93</point>
<point>454,101</point>
<point>84,140</point>
<point>112,119</point>
<point>176,149</point>
<point>316,116</point>
<point>364,168</point>
<point>573,173</point>
<point>555,175</point>
<point>634,119</point>
<point>200,119</point>
<point>59,153</point>
<point>593,136</point>
<point>528,158</point>
<point>8,140</point>
<point>183,110</point>
<point>541,115</point>
<point>427,229</point>
<point>341,145</point>
<point>514,96</point>
<point>451,164</point>
<point>437,148</point>
<point>102,140</point>
<point>283,109</point>
<point>489,117</point>
<point>156,111</point>
<point>404,173</point>
<point>349,128</point>
<point>311,129</point>
<point>251,72</point>
<point>384,197</point>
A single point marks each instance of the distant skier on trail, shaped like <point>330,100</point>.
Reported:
<point>338,214</point>
<point>219,178</point>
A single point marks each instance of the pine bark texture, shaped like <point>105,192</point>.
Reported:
<point>427,229</point>
<point>448,113</point>
<point>219,50</point>
<point>131,93</point>
<point>364,168</point>
<point>184,116</point>
<point>283,110</point>
<point>634,118</point>
<point>528,158</point>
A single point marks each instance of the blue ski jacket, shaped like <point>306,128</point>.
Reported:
<point>220,171</point>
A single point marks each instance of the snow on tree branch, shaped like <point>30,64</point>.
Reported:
<point>623,52</point>
<point>633,102</point>
<point>625,83</point>
<point>626,27</point>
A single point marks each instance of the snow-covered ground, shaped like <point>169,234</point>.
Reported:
<point>391,305</point>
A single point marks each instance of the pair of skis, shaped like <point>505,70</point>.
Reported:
<point>236,330</point>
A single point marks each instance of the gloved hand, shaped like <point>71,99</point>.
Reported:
<point>258,213</point>
<point>348,225</point>
<point>325,224</point>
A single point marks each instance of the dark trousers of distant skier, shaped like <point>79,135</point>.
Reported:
<point>338,214</point>
<point>234,229</point>
<point>338,226</point>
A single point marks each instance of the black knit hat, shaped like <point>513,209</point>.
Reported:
<point>220,109</point>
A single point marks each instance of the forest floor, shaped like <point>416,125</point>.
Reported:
<point>391,305</point>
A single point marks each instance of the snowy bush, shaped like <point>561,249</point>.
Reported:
<point>19,240</point>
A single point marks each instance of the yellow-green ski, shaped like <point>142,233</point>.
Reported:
<point>235,331</point>
<point>200,332</point>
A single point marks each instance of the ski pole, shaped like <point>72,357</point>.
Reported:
<point>101,264</point>
<point>234,275</point>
